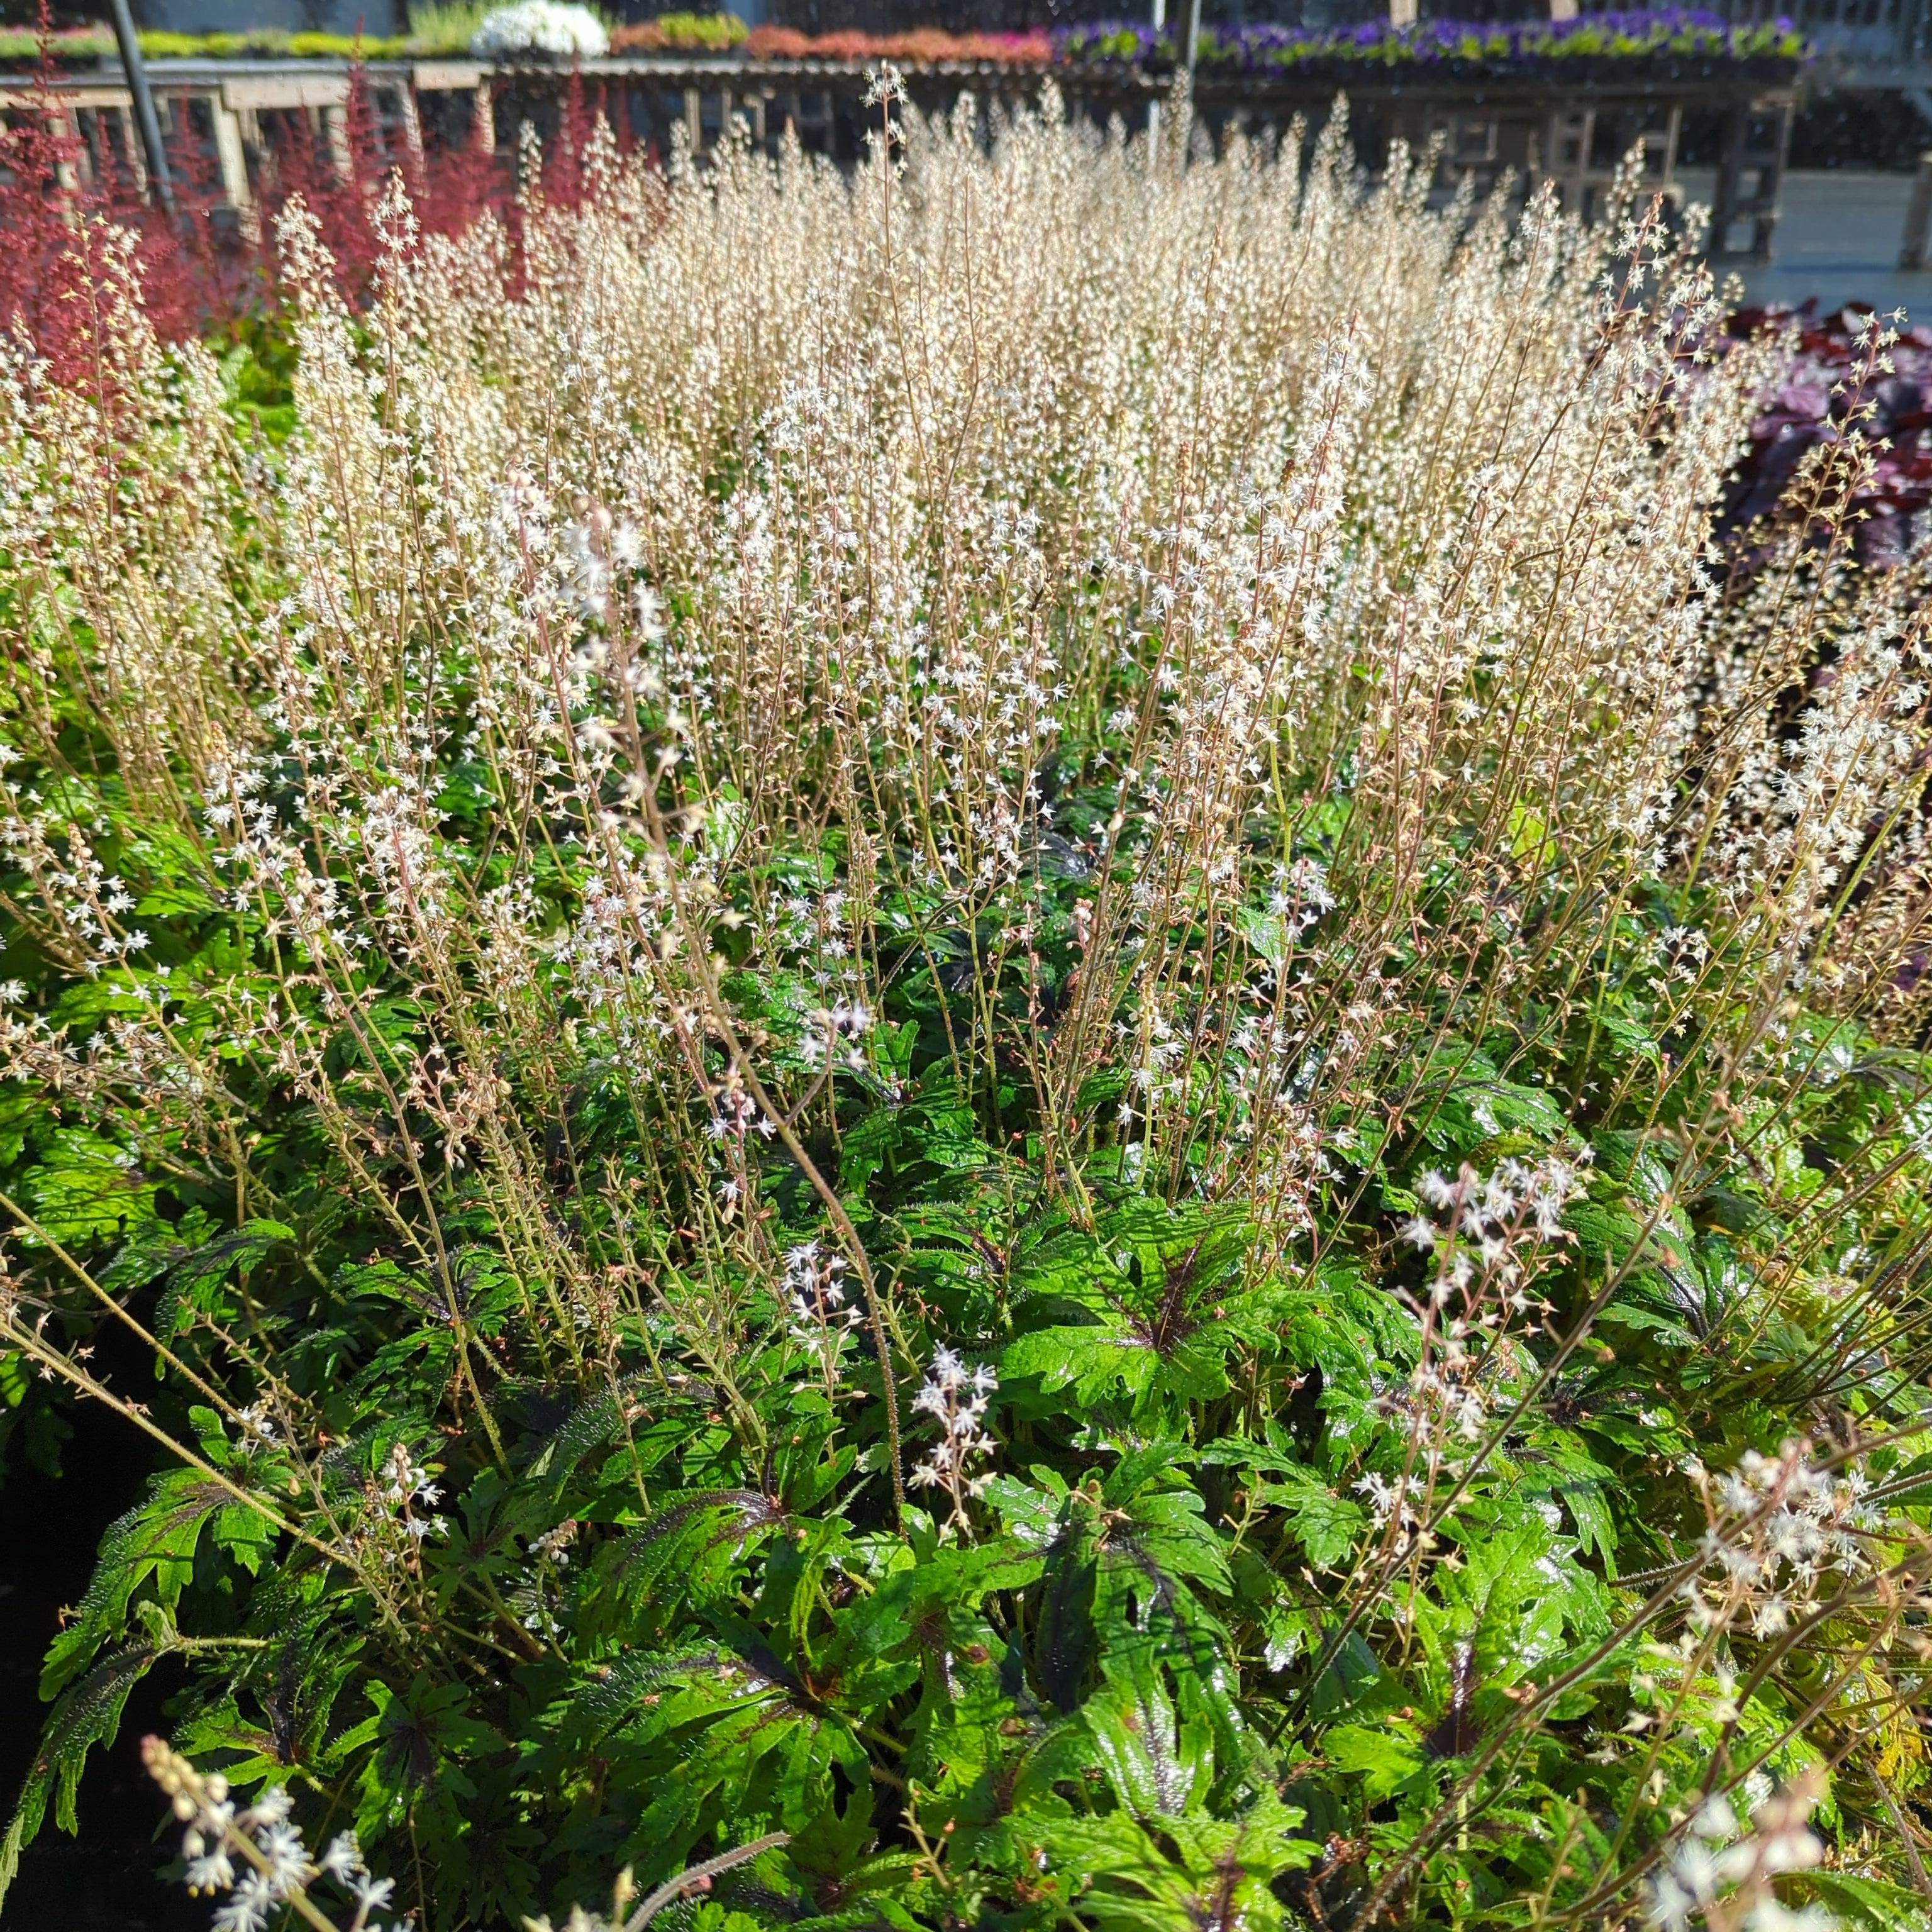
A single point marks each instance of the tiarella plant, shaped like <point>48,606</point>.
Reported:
<point>984,1047</point>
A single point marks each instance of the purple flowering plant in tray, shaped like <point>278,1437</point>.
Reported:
<point>1662,37</point>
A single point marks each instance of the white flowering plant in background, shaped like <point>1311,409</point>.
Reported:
<point>1009,1043</point>
<point>553,27</point>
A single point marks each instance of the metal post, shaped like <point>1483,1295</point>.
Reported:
<point>144,116</point>
<point>1730,183</point>
<point>1153,106</point>
<point>1193,38</point>
<point>1912,251</point>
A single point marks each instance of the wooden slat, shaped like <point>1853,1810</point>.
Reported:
<point>449,77</point>
<point>319,90</point>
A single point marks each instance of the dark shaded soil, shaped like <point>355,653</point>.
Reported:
<point>104,1880</point>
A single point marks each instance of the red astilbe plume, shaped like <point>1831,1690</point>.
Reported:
<point>38,212</point>
<point>68,243</point>
<point>79,235</point>
<point>180,282</point>
<point>341,200</point>
<point>102,345</point>
<point>449,187</point>
<point>66,210</point>
<point>461,183</point>
<point>563,178</point>
<point>201,265</point>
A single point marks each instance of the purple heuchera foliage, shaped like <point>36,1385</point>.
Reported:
<point>1810,407</point>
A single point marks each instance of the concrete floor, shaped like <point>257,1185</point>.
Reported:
<point>1838,239</point>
